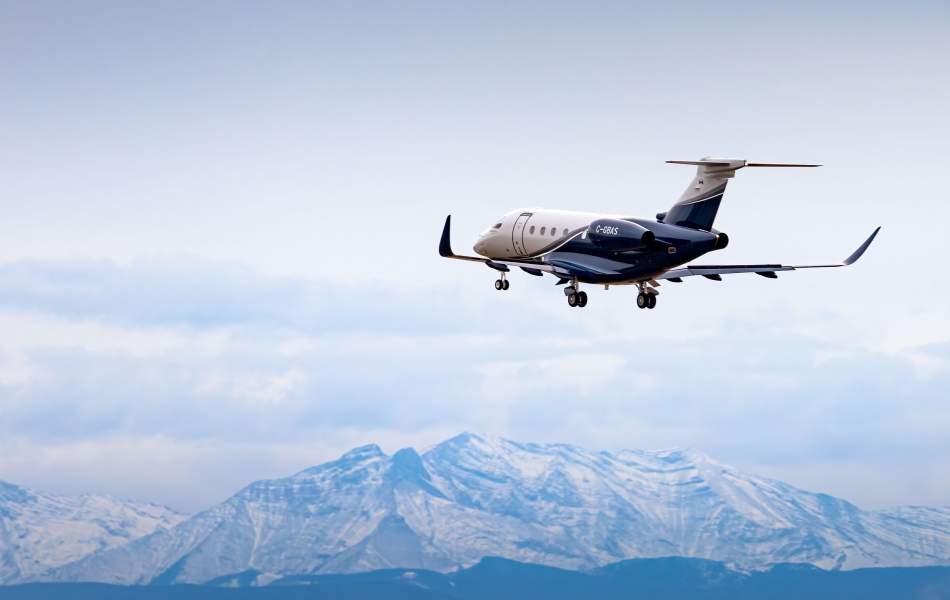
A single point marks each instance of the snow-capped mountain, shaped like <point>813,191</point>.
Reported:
<point>560,505</point>
<point>39,531</point>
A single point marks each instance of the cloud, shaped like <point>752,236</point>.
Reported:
<point>15,370</point>
<point>185,292</point>
<point>176,295</point>
<point>223,364</point>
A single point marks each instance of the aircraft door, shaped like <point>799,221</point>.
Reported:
<point>517,234</point>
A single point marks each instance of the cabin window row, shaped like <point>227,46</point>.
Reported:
<point>542,232</point>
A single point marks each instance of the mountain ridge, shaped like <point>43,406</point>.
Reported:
<point>473,496</point>
<point>42,530</point>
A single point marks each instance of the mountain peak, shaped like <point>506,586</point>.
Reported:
<point>681,455</point>
<point>353,459</point>
<point>466,437</point>
<point>407,466</point>
<point>363,453</point>
<point>406,463</point>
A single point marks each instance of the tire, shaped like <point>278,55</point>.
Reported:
<point>651,304</point>
<point>642,301</point>
<point>572,300</point>
<point>582,299</point>
<point>505,284</point>
<point>498,284</point>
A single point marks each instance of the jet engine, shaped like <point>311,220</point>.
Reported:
<point>619,236</point>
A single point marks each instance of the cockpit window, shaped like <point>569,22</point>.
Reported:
<point>496,226</point>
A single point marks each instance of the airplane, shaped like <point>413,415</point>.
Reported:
<point>610,249</point>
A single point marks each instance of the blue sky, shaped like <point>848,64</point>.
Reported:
<point>217,244</point>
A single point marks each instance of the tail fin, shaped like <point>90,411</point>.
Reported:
<point>698,205</point>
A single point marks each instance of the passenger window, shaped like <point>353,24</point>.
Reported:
<point>554,231</point>
<point>531,230</point>
<point>565,231</point>
<point>542,231</point>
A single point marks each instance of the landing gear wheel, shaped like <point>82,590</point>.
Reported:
<point>499,284</point>
<point>651,303</point>
<point>572,300</point>
<point>582,299</point>
<point>642,300</point>
<point>505,284</point>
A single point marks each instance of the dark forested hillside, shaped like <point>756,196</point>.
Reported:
<point>499,579</point>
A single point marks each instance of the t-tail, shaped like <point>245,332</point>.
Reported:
<point>698,205</point>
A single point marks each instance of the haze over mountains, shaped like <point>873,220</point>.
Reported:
<point>472,496</point>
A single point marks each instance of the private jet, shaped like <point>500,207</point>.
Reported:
<point>608,249</point>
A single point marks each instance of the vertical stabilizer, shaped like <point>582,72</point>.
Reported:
<point>698,205</point>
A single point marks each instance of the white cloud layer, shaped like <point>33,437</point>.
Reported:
<point>112,389</point>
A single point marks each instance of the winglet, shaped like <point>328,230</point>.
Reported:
<point>445,245</point>
<point>857,253</point>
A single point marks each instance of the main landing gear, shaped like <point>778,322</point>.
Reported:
<point>646,298</point>
<point>501,283</point>
<point>575,297</point>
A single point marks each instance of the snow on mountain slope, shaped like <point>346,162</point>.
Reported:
<point>39,531</point>
<point>554,504</point>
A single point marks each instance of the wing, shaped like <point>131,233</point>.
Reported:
<point>766,270</point>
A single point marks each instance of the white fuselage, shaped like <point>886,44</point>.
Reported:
<point>534,231</point>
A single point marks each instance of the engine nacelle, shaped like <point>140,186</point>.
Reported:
<point>619,236</point>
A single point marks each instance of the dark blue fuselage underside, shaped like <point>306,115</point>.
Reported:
<point>674,246</point>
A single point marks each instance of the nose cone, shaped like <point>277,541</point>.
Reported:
<point>480,247</point>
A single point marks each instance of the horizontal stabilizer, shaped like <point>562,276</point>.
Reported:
<point>708,163</point>
<point>752,164</point>
<point>735,163</point>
